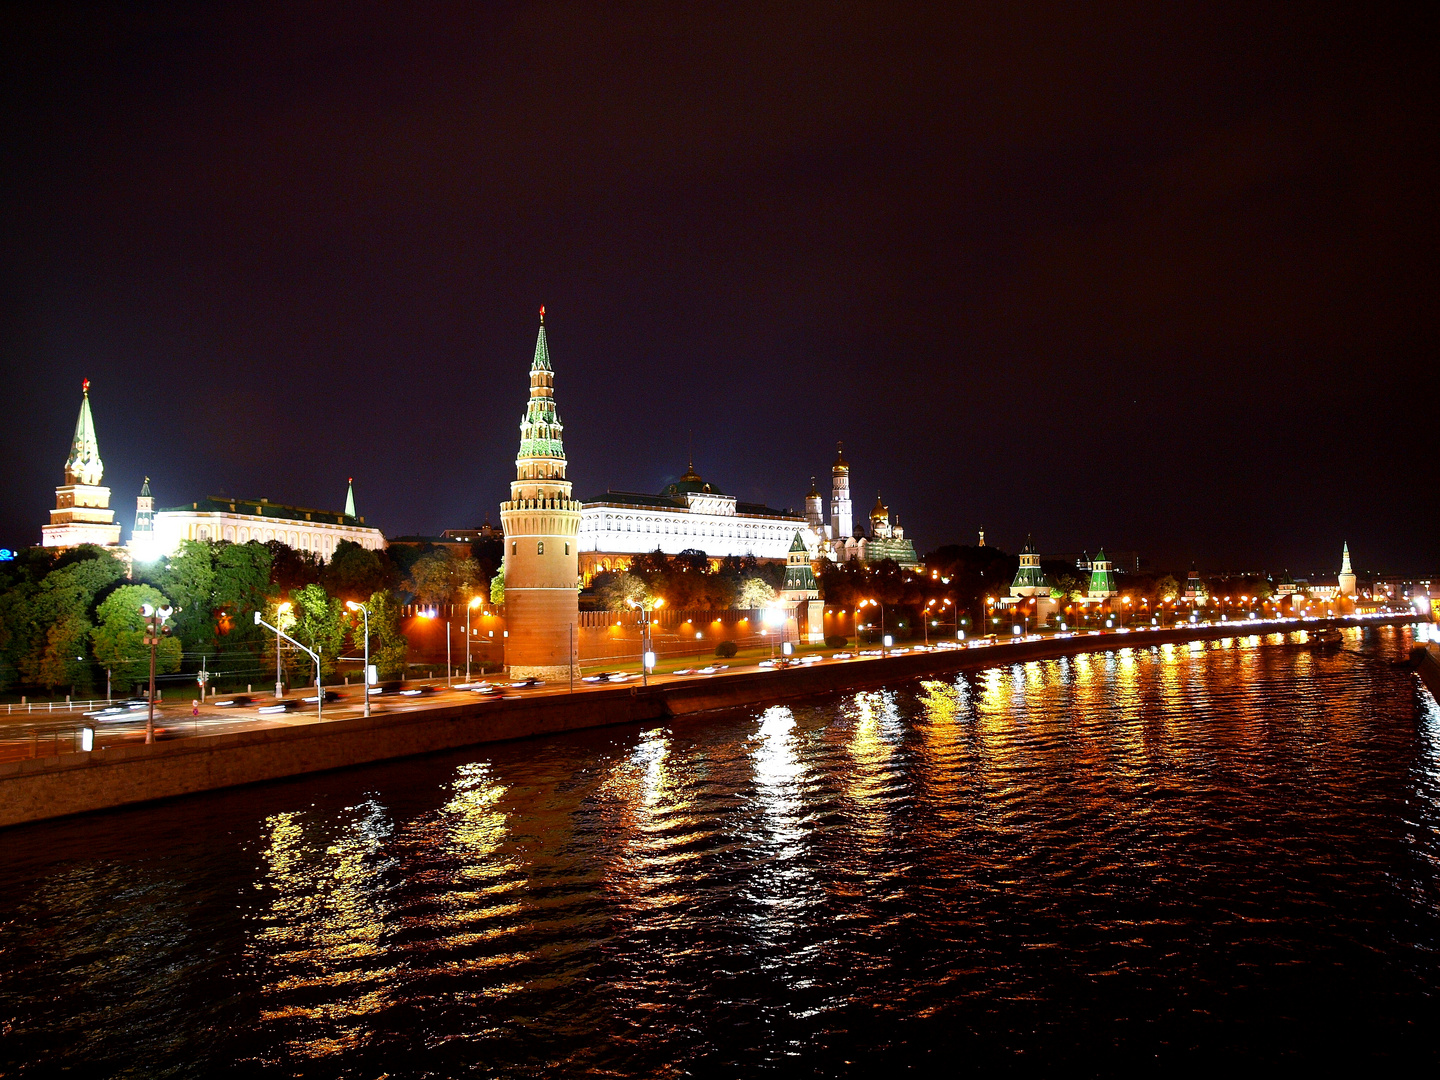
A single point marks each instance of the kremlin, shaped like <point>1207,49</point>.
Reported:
<point>556,558</point>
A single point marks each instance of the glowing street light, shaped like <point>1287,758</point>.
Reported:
<point>474,603</point>
<point>647,657</point>
<point>155,628</point>
<point>353,606</point>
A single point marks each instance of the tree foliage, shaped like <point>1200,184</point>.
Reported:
<point>119,638</point>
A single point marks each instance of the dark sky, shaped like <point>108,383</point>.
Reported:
<point>1155,276</point>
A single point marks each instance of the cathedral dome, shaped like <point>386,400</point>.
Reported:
<point>881,511</point>
<point>841,465</point>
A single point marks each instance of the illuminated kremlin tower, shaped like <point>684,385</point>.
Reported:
<point>1346,579</point>
<point>541,521</point>
<point>82,513</point>
<point>840,523</point>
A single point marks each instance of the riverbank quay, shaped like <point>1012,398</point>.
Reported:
<point>82,782</point>
<point>1426,659</point>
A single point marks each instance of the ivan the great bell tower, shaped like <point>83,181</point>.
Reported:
<point>541,523</point>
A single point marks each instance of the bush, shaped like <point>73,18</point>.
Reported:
<point>836,641</point>
<point>726,649</point>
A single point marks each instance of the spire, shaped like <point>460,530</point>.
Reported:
<point>814,491</point>
<point>84,465</point>
<point>841,465</point>
<point>1345,560</point>
<point>542,350</point>
<point>350,498</point>
<point>145,489</point>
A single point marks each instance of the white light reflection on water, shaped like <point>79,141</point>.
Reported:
<point>783,884</point>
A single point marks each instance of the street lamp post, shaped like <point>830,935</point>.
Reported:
<point>646,607</point>
<point>155,628</point>
<point>319,687</point>
<point>281,612</point>
<point>474,603</point>
<point>365,679</point>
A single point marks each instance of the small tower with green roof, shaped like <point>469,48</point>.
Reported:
<point>1102,578</point>
<point>1029,580</point>
<point>801,588</point>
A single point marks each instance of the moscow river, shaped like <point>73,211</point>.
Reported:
<point>1221,854</point>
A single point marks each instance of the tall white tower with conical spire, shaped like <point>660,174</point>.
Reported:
<point>1347,576</point>
<point>82,513</point>
<point>142,536</point>
<point>541,523</point>
<point>840,511</point>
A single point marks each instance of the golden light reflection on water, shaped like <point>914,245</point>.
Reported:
<point>319,948</point>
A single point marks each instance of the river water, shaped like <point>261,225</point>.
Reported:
<point>1222,854</point>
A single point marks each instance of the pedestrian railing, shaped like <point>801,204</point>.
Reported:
<point>58,706</point>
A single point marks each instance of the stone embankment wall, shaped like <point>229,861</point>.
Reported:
<point>1427,664</point>
<point>75,783</point>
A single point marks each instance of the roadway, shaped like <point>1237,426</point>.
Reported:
<point>45,734</point>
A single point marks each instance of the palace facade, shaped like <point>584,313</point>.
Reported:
<point>690,514</point>
<point>240,521</point>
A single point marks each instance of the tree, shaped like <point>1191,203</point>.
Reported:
<point>617,589</point>
<point>389,658</point>
<point>433,579</point>
<point>354,572</point>
<point>56,630</point>
<point>188,578</point>
<point>290,569</point>
<point>1167,588</point>
<point>63,663</point>
<point>119,639</point>
<point>756,593</point>
<point>319,623</point>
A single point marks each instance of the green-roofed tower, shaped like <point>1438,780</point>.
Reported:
<point>542,525</point>
<point>1029,578</point>
<point>1102,578</point>
<point>350,498</point>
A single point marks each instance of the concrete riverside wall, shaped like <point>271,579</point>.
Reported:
<point>40,788</point>
<point>1427,665</point>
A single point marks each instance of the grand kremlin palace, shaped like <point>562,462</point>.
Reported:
<point>689,514</point>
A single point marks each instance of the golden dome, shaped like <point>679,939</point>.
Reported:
<point>814,491</point>
<point>881,511</point>
<point>841,465</point>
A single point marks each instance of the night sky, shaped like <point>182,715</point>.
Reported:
<point>1156,277</point>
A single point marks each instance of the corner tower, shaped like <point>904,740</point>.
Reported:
<point>1346,578</point>
<point>82,513</point>
<point>840,523</point>
<point>541,523</point>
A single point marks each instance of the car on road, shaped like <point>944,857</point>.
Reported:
<point>525,684</point>
<point>113,712</point>
<point>237,701</point>
<point>385,689</point>
<point>491,693</point>
<point>282,705</point>
<point>600,676</point>
<point>330,695</point>
<point>418,691</point>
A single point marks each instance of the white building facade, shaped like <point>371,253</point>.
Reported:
<point>689,514</point>
<point>243,520</point>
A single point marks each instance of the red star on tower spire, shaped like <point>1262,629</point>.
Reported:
<point>85,386</point>
<point>542,313</point>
